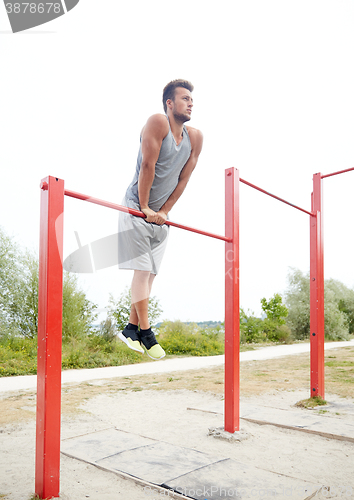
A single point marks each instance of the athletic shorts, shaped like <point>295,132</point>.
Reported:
<point>141,244</point>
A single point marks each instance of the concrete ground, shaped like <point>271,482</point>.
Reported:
<point>173,445</point>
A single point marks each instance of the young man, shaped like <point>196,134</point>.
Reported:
<point>168,154</point>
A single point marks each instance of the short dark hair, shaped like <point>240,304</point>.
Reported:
<point>169,90</point>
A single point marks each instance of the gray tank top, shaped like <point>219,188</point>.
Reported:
<point>172,159</point>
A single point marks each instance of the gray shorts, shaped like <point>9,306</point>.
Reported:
<point>141,245</point>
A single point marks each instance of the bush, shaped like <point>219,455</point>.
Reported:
<point>93,352</point>
<point>176,337</point>
<point>18,355</point>
<point>251,328</point>
<point>277,333</point>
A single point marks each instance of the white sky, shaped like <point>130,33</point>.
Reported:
<point>273,96</point>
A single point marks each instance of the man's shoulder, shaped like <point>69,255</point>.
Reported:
<point>157,125</point>
<point>195,135</point>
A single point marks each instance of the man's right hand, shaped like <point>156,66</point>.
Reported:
<point>154,217</point>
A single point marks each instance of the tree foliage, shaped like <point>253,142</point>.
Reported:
<point>251,328</point>
<point>19,295</point>
<point>339,307</point>
<point>18,288</point>
<point>78,311</point>
<point>120,309</point>
<point>275,327</point>
<point>274,309</point>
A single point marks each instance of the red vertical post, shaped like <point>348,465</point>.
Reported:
<point>317,291</point>
<point>232,302</point>
<point>50,299</point>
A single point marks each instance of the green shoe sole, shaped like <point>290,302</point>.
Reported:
<point>156,352</point>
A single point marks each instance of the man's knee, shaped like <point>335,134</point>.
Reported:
<point>141,276</point>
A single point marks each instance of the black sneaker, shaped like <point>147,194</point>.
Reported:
<point>153,348</point>
<point>131,339</point>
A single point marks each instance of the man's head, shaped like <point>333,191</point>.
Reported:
<point>169,91</point>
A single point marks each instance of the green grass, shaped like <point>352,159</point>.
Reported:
<point>18,355</point>
<point>312,403</point>
<point>178,338</point>
<point>342,370</point>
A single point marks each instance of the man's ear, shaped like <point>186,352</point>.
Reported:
<point>169,103</point>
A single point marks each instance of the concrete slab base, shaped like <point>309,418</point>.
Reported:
<point>176,469</point>
<point>297,418</point>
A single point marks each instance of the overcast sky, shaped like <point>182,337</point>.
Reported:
<point>273,97</point>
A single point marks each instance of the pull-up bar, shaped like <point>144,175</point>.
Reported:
<point>50,295</point>
<point>273,196</point>
<point>137,213</point>
<point>336,173</point>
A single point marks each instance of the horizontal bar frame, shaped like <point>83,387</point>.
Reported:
<point>274,196</point>
<point>137,213</point>
<point>336,173</point>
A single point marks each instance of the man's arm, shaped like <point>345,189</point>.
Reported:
<point>196,139</point>
<point>153,133</point>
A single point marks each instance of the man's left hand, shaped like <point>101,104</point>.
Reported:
<point>161,218</point>
<point>158,218</point>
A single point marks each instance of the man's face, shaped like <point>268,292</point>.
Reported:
<point>182,104</point>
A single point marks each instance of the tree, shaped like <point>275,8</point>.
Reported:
<point>339,307</point>
<point>344,296</point>
<point>274,309</point>
<point>9,280</point>
<point>297,300</point>
<point>78,311</point>
<point>120,309</point>
<point>251,328</point>
<point>275,325</point>
<point>18,288</point>
<point>19,295</point>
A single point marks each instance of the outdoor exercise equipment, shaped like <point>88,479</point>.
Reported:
<point>50,295</point>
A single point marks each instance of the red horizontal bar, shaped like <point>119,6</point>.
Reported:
<point>137,213</point>
<point>276,197</point>
<point>336,173</point>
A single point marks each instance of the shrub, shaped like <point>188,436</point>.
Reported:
<point>277,333</point>
<point>251,328</point>
<point>176,337</point>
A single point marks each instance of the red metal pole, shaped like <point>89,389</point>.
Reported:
<point>50,298</point>
<point>232,302</point>
<point>317,291</point>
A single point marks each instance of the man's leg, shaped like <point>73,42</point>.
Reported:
<point>140,291</point>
